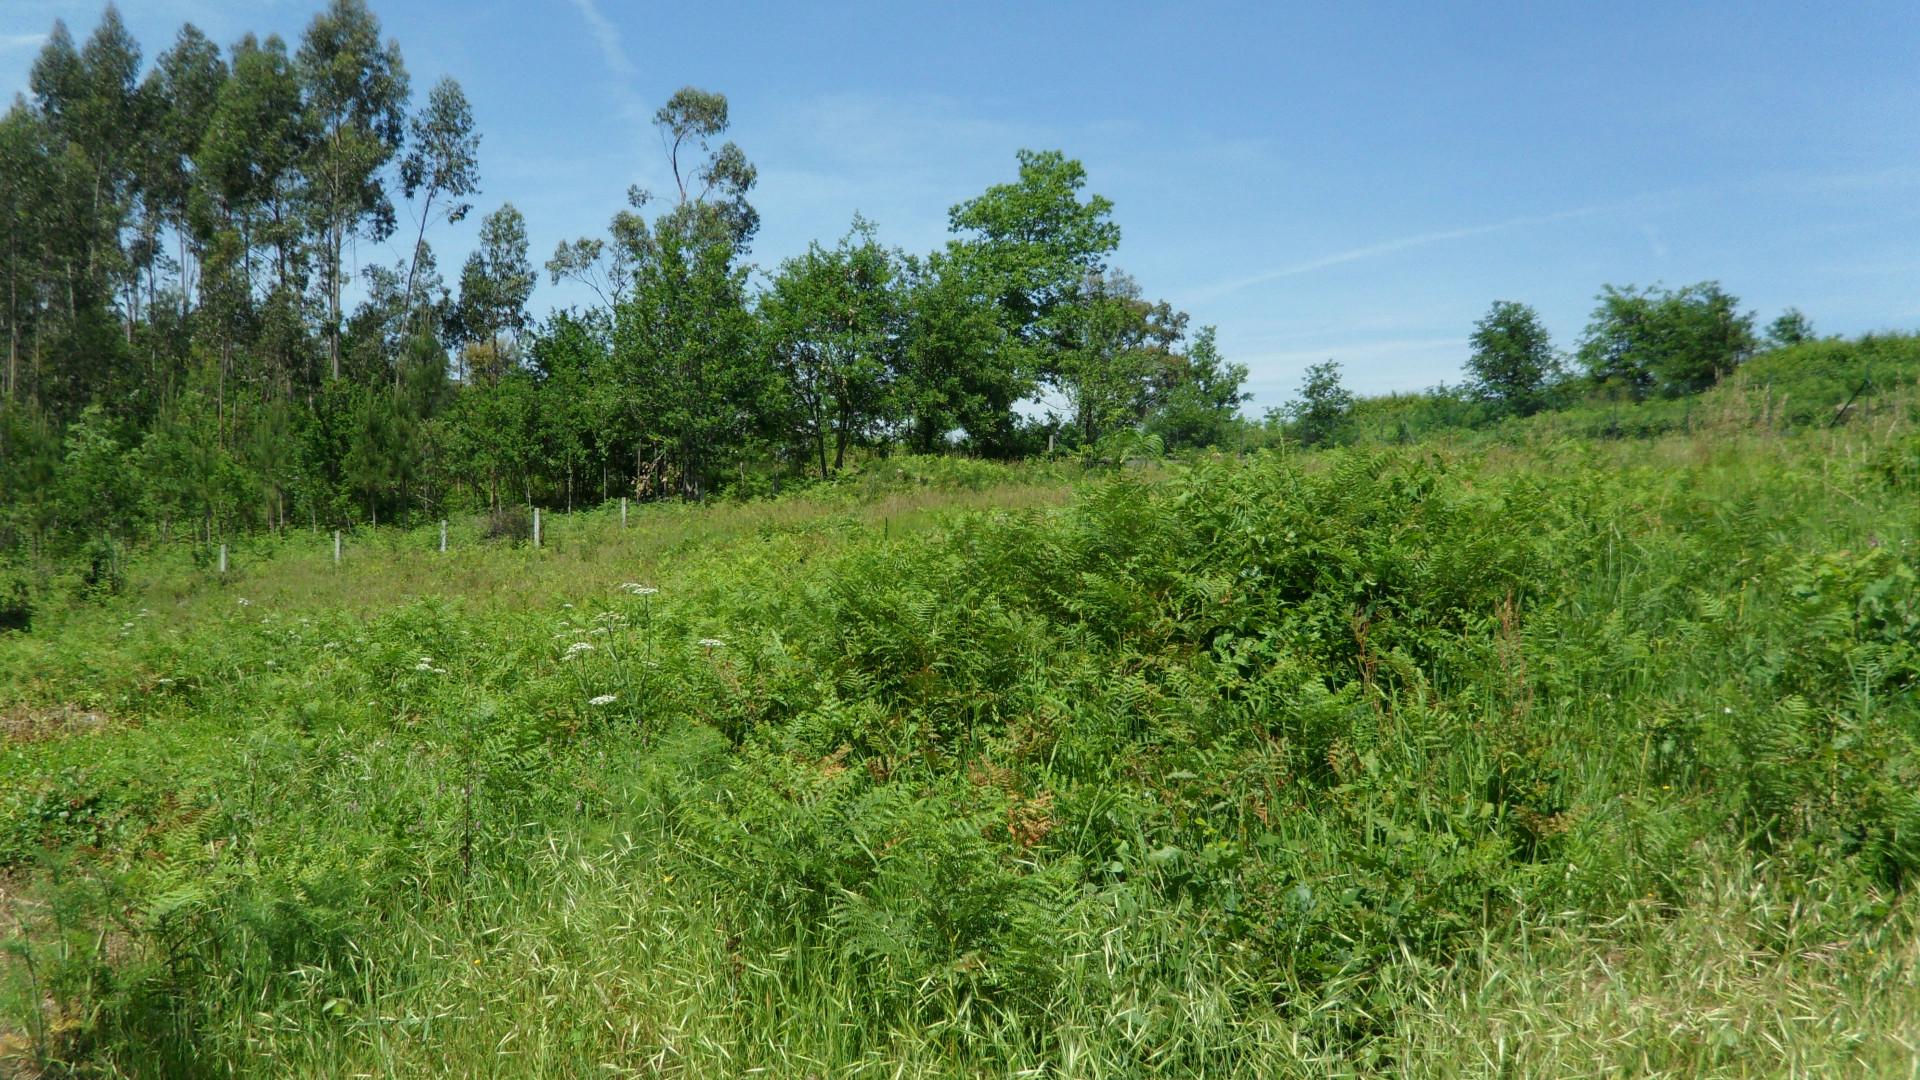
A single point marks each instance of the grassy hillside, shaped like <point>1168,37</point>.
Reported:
<point>1792,388</point>
<point>1558,758</point>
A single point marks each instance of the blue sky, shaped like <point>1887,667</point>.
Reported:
<point>1347,181</point>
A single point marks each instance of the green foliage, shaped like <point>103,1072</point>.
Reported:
<point>1665,342</point>
<point>1268,751</point>
<point>1323,412</point>
<point>832,320</point>
<point>1513,361</point>
<point>1791,328</point>
<point>1201,406</point>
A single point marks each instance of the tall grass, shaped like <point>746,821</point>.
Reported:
<point>1580,757</point>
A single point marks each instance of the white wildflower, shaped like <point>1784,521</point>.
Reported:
<point>711,642</point>
<point>576,649</point>
<point>603,699</point>
<point>244,602</point>
<point>638,589</point>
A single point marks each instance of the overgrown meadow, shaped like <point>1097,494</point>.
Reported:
<point>1541,757</point>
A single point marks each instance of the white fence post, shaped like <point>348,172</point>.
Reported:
<point>336,547</point>
<point>443,535</point>
<point>223,558</point>
<point>623,511</point>
<point>536,526</point>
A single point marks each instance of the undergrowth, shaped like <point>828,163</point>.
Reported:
<point>1601,758</point>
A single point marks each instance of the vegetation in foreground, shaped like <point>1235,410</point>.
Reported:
<point>1433,761</point>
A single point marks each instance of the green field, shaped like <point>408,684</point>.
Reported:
<point>1541,756</point>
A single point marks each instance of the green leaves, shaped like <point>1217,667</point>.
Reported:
<point>1666,342</point>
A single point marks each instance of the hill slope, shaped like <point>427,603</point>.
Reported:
<point>1603,755</point>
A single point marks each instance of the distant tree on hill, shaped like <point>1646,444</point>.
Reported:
<point>1791,328</point>
<point>1513,360</point>
<point>1324,409</point>
<point>1665,342</point>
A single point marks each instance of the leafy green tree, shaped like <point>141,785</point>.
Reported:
<point>355,94</point>
<point>382,460</point>
<point>496,435</point>
<point>684,352</point>
<point>186,476</point>
<point>1036,239</point>
<point>495,284</point>
<point>569,358</point>
<point>1200,406</point>
<point>183,91</point>
<point>1323,413</point>
<point>1791,328</point>
<point>832,320</point>
<point>1027,248</point>
<point>960,370</point>
<point>99,493</point>
<point>30,454</point>
<point>88,101</point>
<point>91,101</point>
<point>712,189</point>
<point>1116,353</point>
<point>1513,362</point>
<point>24,195</point>
<point>441,164</point>
<point>1665,342</point>
<point>246,215</point>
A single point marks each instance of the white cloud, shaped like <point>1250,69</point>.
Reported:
<point>21,41</point>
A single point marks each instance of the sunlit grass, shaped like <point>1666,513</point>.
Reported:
<point>1584,758</point>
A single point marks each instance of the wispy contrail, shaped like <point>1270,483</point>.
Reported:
<point>1388,247</point>
<point>608,36</point>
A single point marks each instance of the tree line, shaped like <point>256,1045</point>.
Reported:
<point>190,351</point>
<point>1639,343</point>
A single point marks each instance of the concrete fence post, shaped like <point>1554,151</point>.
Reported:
<point>536,526</point>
